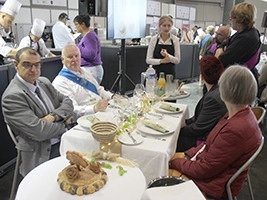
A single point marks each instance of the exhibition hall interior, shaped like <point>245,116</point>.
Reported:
<point>153,87</point>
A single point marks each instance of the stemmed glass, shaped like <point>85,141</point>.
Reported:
<point>139,90</point>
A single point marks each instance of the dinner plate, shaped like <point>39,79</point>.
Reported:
<point>124,138</point>
<point>157,108</point>
<point>178,96</point>
<point>85,121</point>
<point>144,129</point>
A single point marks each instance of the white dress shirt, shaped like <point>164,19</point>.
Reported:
<point>26,42</point>
<point>61,35</point>
<point>156,61</point>
<point>83,100</point>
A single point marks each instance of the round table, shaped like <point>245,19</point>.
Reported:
<point>41,183</point>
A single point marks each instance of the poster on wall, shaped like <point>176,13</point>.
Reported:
<point>153,8</point>
<point>182,12</point>
<point>62,3</point>
<point>192,14</point>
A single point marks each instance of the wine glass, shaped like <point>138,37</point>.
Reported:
<point>139,90</point>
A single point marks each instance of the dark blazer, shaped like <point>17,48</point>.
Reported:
<point>23,112</point>
<point>209,110</point>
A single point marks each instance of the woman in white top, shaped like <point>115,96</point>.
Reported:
<point>164,48</point>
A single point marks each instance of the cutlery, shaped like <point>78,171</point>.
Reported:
<point>130,135</point>
<point>150,137</point>
<point>160,116</point>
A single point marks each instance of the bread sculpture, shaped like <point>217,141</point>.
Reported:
<point>81,177</point>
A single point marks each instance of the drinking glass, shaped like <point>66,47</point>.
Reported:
<point>139,90</point>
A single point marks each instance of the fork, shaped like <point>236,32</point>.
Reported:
<point>130,135</point>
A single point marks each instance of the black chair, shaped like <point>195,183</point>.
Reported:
<point>165,181</point>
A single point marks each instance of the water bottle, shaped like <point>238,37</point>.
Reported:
<point>150,81</point>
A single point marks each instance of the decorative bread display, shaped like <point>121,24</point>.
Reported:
<point>81,177</point>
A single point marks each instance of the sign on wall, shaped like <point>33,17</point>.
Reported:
<point>62,3</point>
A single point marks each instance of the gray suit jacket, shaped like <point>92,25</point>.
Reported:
<point>23,112</point>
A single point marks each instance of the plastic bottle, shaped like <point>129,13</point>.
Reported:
<point>161,84</point>
<point>150,81</point>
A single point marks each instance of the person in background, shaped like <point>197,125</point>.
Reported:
<point>61,34</point>
<point>35,40</point>
<point>245,43</point>
<point>174,30</point>
<point>90,47</point>
<point>7,15</point>
<point>36,112</point>
<point>210,108</point>
<point>209,34</point>
<point>187,36</point>
<point>263,38</point>
<point>222,35</point>
<point>79,84</point>
<point>231,142</point>
<point>164,48</point>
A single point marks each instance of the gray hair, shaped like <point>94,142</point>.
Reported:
<point>238,86</point>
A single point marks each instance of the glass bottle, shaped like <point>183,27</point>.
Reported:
<point>161,84</point>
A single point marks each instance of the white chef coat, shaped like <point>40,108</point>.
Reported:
<point>4,49</point>
<point>26,42</point>
<point>61,35</point>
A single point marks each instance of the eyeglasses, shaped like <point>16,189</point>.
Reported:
<point>28,65</point>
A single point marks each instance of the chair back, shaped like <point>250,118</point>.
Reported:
<point>11,135</point>
<point>165,181</point>
<point>259,113</point>
<point>241,169</point>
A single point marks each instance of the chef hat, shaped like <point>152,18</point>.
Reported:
<point>11,7</point>
<point>38,27</point>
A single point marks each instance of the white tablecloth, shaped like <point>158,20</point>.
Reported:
<point>41,183</point>
<point>152,155</point>
<point>187,190</point>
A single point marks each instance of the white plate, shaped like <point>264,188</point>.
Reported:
<point>157,108</point>
<point>144,129</point>
<point>179,96</point>
<point>84,121</point>
<point>125,139</point>
<point>102,116</point>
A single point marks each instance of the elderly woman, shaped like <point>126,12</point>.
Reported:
<point>164,48</point>
<point>231,142</point>
<point>245,43</point>
<point>209,110</point>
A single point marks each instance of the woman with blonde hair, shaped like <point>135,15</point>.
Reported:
<point>164,48</point>
<point>243,47</point>
<point>231,142</point>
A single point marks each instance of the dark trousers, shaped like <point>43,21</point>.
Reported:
<point>54,151</point>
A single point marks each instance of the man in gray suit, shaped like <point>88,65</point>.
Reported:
<point>36,112</point>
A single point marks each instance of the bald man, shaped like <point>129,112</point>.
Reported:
<point>222,34</point>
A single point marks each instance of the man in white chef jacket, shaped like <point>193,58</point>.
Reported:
<point>7,15</point>
<point>34,39</point>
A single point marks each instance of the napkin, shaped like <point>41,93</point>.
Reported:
<point>169,107</point>
<point>155,126</point>
<point>93,119</point>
